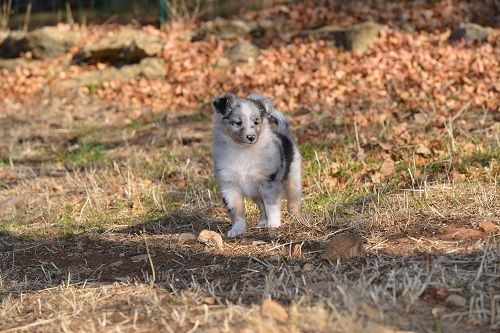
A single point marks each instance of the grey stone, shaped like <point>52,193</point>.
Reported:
<point>471,33</point>
<point>150,68</point>
<point>47,42</point>
<point>124,47</point>
<point>242,52</point>
<point>356,38</point>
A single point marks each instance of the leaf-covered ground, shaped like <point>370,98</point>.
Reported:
<point>103,187</point>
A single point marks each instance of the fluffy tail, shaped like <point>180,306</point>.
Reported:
<point>279,119</point>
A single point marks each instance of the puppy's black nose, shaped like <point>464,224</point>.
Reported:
<point>251,137</point>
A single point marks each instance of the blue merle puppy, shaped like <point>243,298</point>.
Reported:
<point>255,156</point>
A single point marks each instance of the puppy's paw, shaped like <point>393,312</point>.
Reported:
<point>273,224</point>
<point>238,229</point>
<point>262,224</point>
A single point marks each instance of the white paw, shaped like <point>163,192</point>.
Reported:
<point>262,224</point>
<point>238,229</point>
<point>273,224</point>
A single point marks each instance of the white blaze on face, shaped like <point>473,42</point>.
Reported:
<point>251,119</point>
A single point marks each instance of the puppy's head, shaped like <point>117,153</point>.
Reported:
<point>242,118</point>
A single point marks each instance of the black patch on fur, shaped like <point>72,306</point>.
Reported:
<point>272,177</point>
<point>222,103</point>
<point>273,120</point>
<point>229,210</point>
<point>287,146</point>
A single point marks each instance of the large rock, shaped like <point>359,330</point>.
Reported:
<point>471,33</point>
<point>356,38</point>
<point>242,52</point>
<point>228,29</point>
<point>12,64</point>
<point>47,42</point>
<point>124,47</point>
<point>150,68</point>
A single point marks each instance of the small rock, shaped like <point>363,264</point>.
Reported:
<point>209,300</point>
<point>423,150</point>
<point>388,167</point>
<point>455,300</point>
<point>343,245</point>
<point>116,264</point>
<point>224,29</point>
<point>185,237</point>
<point>420,118</point>
<point>274,310</point>
<point>308,267</point>
<point>489,227</point>
<point>471,33</point>
<point>356,38</point>
<point>242,52</point>
<point>139,257</point>
<point>210,238</point>
<point>222,62</point>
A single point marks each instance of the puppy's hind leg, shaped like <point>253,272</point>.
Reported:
<point>293,189</point>
<point>235,205</point>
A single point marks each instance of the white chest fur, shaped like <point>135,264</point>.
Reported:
<point>246,168</point>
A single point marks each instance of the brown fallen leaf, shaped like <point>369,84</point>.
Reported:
<point>455,300</point>
<point>343,245</point>
<point>489,227</point>
<point>423,150</point>
<point>274,310</point>
<point>388,167</point>
<point>211,238</point>
<point>385,146</point>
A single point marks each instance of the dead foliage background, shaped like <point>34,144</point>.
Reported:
<point>106,181</point>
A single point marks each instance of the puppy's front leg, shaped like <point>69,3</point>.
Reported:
<point>271,195</point>
<point>263,218</point>
<point>236,209</point>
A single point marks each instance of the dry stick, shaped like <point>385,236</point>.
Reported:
<point>4,14</point>
<point>69,14</point>
<point>24,327</point>
<point>153,278</point>
<point>480,270</point>
<point>27,17</point>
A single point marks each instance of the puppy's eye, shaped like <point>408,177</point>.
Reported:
<point>236,123</point>
<point>256,123</point>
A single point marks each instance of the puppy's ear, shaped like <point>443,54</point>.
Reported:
<point>264,103</point>
<point>222,103</point>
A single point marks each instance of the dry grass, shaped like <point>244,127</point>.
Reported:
<point>72,222</point>
<point>100,206</point>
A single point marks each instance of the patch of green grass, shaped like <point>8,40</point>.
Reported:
<point>482,158</point>
<point>194,117</point>
<point>92,88</point>
<point>87,153</point>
